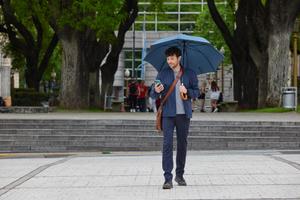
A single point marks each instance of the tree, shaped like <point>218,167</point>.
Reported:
<point>260,48</point>
<point>110,67</point>
<point>29,36</point>
<point>86,31</point>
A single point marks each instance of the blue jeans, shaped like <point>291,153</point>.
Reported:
<point>182,123</point>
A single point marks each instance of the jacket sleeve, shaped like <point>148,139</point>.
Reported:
<point>193,91</point>
<point>153,94</point>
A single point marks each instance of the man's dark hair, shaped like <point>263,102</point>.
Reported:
<point>173,51</point>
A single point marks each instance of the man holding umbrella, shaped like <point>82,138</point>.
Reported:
<point>177,84</point>
<point>177,112</point>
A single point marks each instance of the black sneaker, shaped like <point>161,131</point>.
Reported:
<point>167,185</point>
<point>180,181</point>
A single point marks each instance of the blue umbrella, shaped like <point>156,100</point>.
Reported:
<point>197,53</point>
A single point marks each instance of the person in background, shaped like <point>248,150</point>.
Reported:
<point>214,96</point>
<point>142,95</point>
<point>133,93</point>
<point>202,95</point>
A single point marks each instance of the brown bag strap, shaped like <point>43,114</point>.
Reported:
<point>172,87</point>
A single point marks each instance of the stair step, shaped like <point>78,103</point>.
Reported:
<point>85,132</point>
<point>154,147</point>
<point>136,122</point>
<point>200,128</point>
<point>140,135</point>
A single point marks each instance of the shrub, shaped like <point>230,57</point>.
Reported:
<point>28,97</point>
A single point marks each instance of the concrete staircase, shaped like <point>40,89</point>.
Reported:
<point>18,135</point>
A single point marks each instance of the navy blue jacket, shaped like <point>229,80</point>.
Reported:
<point>189,80</point>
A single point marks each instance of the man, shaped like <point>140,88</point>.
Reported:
<point>176,113</point>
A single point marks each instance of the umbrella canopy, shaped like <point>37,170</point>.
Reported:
<point>197,53</point>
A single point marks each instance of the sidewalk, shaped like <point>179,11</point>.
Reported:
<point>239,116</point>
<point>138,176</point>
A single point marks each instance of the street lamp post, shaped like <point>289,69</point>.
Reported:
<point>133,52</point>
<point>222,50</point>
<point>126,75</point>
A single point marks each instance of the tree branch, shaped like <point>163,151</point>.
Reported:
<point>16,42</point>
<point>10,18</point>
<point>257,15</point>
<point>46,58</point>
<point>222,25</point>
<point>130,7</point>
<point>40,31</point>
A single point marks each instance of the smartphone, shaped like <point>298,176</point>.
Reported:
<point>157,82</point>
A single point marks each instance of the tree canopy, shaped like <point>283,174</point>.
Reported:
<point>30,38</point>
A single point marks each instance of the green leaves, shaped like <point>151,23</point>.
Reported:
<point>264,2</point>
<point>156,5</point>
<point>29,21</point>
<point>24,10</point>
<point>102,16</point>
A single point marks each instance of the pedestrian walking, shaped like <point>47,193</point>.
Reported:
<point>177,112</point>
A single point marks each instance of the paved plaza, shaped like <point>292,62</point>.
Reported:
<point>138,175</point>
<point>238,175</point>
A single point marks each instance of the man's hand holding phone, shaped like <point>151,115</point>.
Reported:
<point>158,86</point>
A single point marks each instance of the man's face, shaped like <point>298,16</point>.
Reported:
<point>173,61</point>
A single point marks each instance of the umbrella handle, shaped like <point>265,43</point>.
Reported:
<point>183,96</point>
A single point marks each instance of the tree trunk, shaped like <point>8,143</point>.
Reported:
<point>82,56</point>
<point>245,83</point>
<point>257,42</point>
<point>108,71</point>
<point>260,48</point>
<point>100,49</point>
<point>244,69</point>
<point>92,89</point>
<point>282,16</point>
<point>31,78</point>
<point>97,89</point>
<point>278,66</point>
<point>75,72</point>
